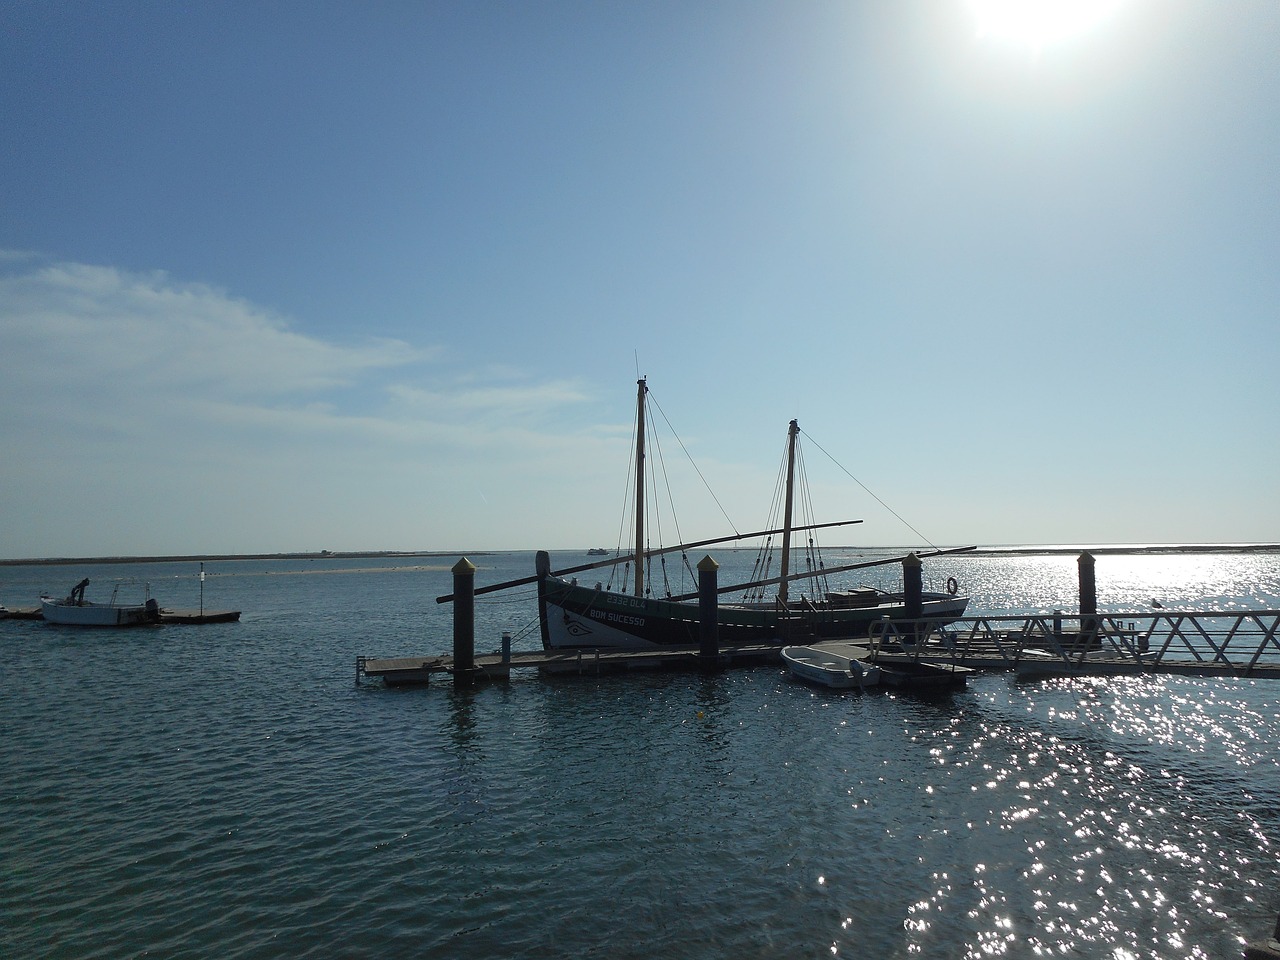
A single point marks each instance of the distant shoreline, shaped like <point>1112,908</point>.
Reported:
<point>1115,548</point>
<point>994,550</point>
<point>203,558</point>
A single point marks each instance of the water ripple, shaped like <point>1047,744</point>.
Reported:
<point>231,793</point>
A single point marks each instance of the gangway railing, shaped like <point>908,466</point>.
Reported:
<point>1243,643</point>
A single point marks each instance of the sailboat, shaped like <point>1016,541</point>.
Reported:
<point>574,616</point>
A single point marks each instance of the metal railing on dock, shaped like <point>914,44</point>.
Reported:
<point>1234,643</point>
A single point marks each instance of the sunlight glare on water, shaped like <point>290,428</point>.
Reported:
<point>1099,831</point>
<point>1129,583</point>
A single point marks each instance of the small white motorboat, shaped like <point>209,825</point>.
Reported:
<point>829,669</point>
<point>75,610</point>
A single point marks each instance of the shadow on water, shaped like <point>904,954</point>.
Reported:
<point>462,720</point>
<point>712,693</point>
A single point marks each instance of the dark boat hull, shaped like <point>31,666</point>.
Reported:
<point>578,617</point>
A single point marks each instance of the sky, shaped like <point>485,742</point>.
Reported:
<point>317,275</point>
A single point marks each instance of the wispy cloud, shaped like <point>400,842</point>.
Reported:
<point>82,341</point>
<point>507,399</point>
<point>17,256</point>
<point>129,390</point>
<point>80,325</point>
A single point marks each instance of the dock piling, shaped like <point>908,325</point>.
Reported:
<point>708,613</point>
<point>913,591</point>
<point>464,623</point>
<point>1088,598</point>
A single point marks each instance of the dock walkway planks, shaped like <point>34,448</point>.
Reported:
<point>22,613</point>
<point>398,671</point>
<point>1003,654</point>
<point>1014,656</point>
<point>166,616</point>
<point>198,616</point>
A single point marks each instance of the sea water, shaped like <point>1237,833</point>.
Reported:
<point>229,790</point>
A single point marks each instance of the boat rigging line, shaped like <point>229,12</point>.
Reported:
<point>872,494</point>
<point>792,479</point>
<point>643,489</point>
<point>732,526</point>
<point>653,443</point>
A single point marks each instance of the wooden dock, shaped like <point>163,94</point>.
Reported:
<point>1222,644</point>
<point>1029,662</point>
<point>166,616</point>
<point>403,671</point>
<point>22,613</point>
<point>1207,643</point>
<point>199,616</point>
<point>406,671</point>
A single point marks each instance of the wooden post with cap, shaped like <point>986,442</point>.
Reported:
<point>912,592</point>
<point>708,613</point>
<point>1088,600</point>
<point>464,623</point>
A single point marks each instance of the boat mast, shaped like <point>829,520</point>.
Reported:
<point>792,431</point>
<point>641,389</point>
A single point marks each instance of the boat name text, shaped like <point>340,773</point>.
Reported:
<point>610,617</point>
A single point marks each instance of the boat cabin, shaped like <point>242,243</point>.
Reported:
<point>854,597</point>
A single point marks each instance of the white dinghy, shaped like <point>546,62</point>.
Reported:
<point>829,669</point>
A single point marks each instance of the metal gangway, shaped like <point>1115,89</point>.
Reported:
<point>1216,643</point>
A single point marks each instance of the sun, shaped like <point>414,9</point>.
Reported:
<point>1039,23</point>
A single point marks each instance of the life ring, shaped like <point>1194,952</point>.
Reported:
<point>952,586</point>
